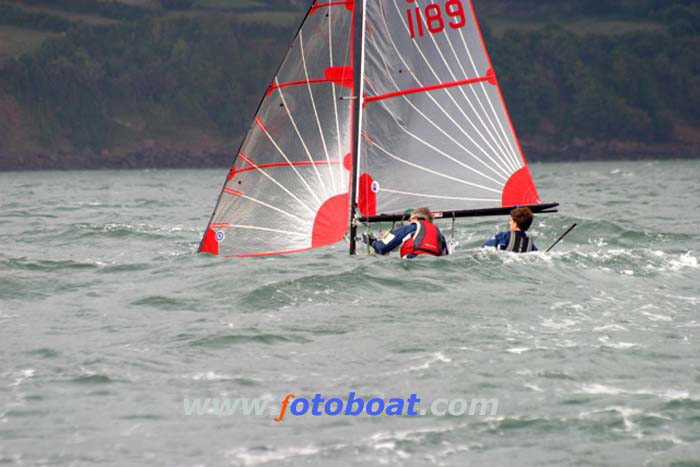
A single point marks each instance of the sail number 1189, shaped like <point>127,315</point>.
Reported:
<point>432,18</point>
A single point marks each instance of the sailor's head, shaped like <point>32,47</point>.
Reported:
<point>521,219</point>
<point>421,214</point>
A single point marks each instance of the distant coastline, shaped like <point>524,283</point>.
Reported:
<point>174,83</point>
<point>188,158</point>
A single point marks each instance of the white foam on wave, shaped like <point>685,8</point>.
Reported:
<point>625,412</point>
<point>4,316</point>
<point>431,360</point>
<point>451,451</point>
<point>509,258</point>
<point>684,261</point>
<point>567,305</point>
<point>22,376</point>
<point>266,454</point>
<point>599,242</point>
<point>605,340</point>
<point>673,262</point>
<point>644,310</point>
<point>628,414</point>
<point>602,389</point>
<point>562,344</point>
<point>665,437</point>
<point>515,258</point>
<point>565,323</point>
<point>436,357</point>
<point>692,300</point>
<point>143,228</point>
<point>656,316</point>
<point>211,376</point>
<point>644,260</point>
<point>417,435</point>
<point>610,327</point>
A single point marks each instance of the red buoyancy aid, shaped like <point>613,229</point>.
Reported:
<point>426,241</point>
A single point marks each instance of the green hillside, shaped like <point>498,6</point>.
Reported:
<point>87,83</point>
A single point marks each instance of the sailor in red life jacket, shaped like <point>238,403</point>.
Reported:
<point>419,237</point>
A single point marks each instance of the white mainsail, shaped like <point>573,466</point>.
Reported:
<point>428,128</point>
<point>435,129</point>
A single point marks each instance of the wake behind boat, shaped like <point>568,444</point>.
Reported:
<point>377,107</point>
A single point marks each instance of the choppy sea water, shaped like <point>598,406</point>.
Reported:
<point>109,321</point>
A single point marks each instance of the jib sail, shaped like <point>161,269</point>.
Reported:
<point>287,189</point>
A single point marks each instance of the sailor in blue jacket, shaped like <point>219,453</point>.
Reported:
<point>516,240</point>
<point>419,237</point>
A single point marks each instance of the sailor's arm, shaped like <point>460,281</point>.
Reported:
<point>393,239</point>
<point>496,241</point>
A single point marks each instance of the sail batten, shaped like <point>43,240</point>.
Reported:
<point>435,87</point>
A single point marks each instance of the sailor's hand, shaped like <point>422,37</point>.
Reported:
<point>368,238</point>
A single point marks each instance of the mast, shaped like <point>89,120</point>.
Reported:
<point>358,72</point>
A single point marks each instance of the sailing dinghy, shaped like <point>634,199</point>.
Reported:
<point>378,106</point>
